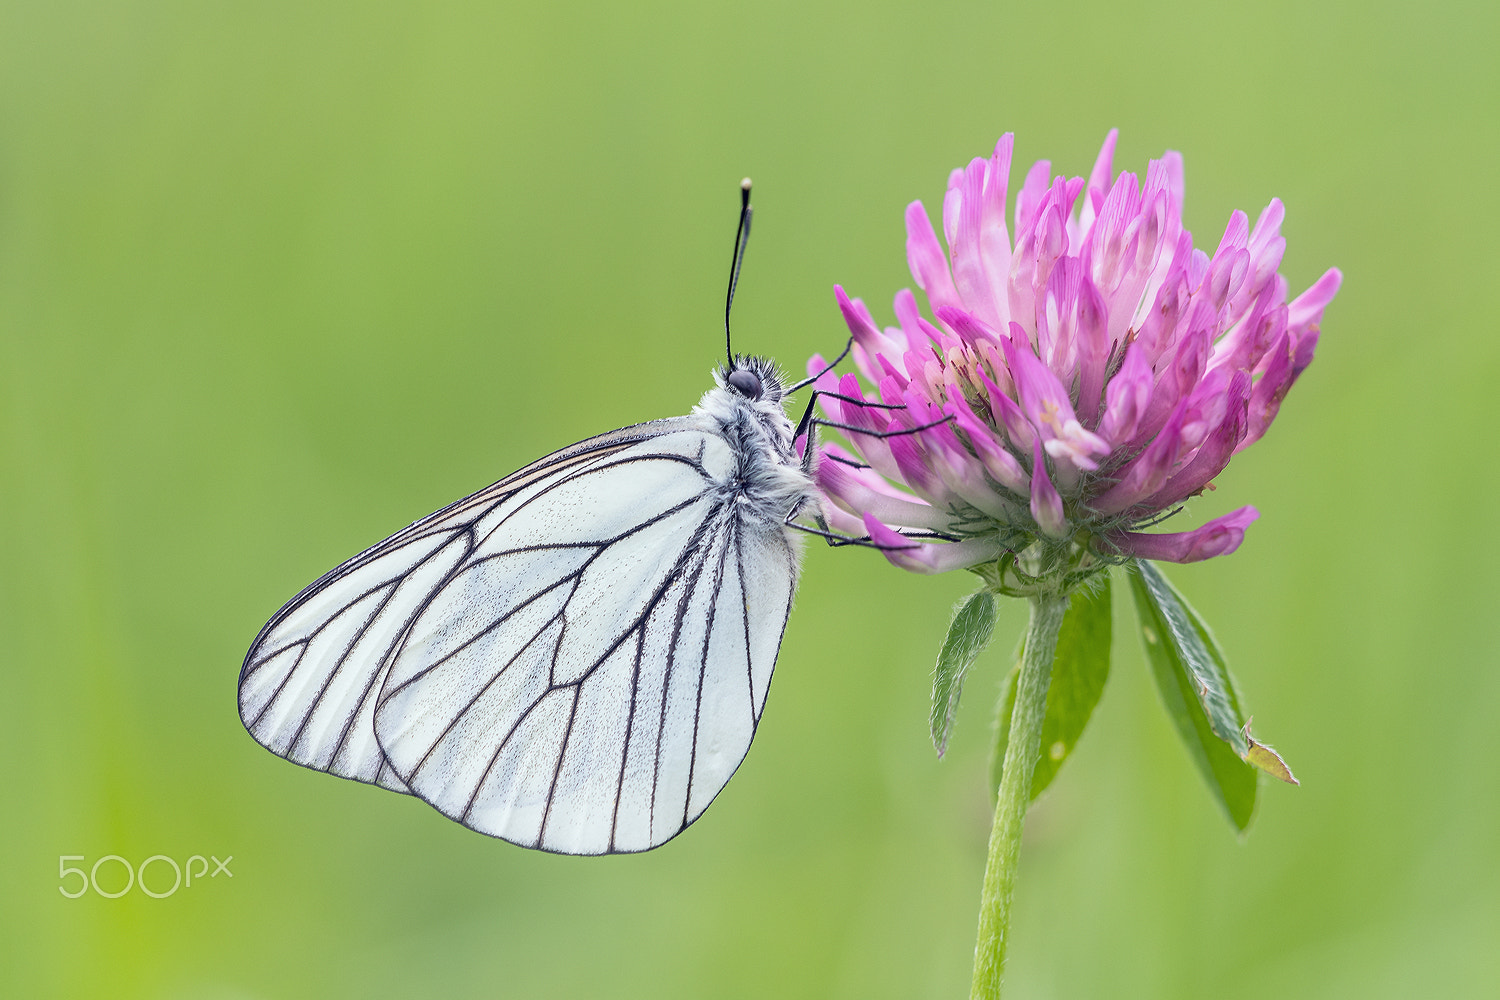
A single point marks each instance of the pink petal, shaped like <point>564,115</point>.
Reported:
<point>1126,397</point>
<point>917,471</point>
<point>970,270</point>
<point>909,315</point>
<point>1177,379</point>
<point>933,335</point>
<point>953,199</point>
<point>1088,315</point>
<point>1218,537</point>
<point>1276,380</point>
<point>925,257</point>
<point>930,557</point>
<point>963,473</point>
<point>1169,305</point>
<point>1046,505</point>
<point>1029,198</point>
<point>1176,187</point>
<point>1163,193</point>
<point>1008,415</point>
<point>1109,248</point>
<point>1148,471</point>
<point>1302,354</point>
<point>840,485</point>
<point>1042,397</point>
<point>1268,225</point>
<point>1206,406</point>
<point>878,367</point>
<point>842,521</point>
<point>1046,405</point>
<point>1038,248</point>
<point>862,325</point>
<point>1215,452</point>
<point>1266,246</point>
<point>872,449</point>
<point>970,328</point>
<point>1226,276</point>
<point>998,461</point>
<point>867,477</point>
<point>1253,332</point>
<point>1308,307</point>
<point>994,241</point>
<point>1099,179</point>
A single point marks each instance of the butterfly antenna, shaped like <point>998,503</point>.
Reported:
<point>741,237</point>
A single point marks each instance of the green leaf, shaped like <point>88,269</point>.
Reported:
<point>1079,669</point>
<point>1198,692</point>
<point>973,624</point>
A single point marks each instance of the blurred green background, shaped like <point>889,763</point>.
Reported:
<point>277,278</point>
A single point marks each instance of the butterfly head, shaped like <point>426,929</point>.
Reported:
<point>751,378</point>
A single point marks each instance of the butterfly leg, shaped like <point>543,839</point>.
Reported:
<point>808,419</point>
<point>808,425</point>
<point>835,539</point>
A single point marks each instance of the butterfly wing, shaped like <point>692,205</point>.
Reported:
<point>592,676</point>
<point>575,659</point>
<point>309,683</point>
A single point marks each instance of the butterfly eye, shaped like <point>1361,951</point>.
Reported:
<point>747,382</point>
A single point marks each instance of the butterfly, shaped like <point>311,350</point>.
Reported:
<point>576,658</point>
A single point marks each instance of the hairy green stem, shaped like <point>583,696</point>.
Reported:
<point>1015,792</point>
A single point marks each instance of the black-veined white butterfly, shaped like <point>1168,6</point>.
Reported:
<point>575,658</point>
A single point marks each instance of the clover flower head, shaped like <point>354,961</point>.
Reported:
<point>1080,376</point>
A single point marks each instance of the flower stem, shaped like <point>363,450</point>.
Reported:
<point>1021,752</point>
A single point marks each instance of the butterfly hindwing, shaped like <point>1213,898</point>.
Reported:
<point>584,684</point>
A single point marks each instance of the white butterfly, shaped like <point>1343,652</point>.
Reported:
<point>574,659</point>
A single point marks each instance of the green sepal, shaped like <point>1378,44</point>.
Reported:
<point>1079,669</point>
<point>1198,691</point>
<point>1269,761</point>
<point>968,634</point>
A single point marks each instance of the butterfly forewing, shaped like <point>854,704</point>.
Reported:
<point>574,659</point>
<point>309,684</point>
